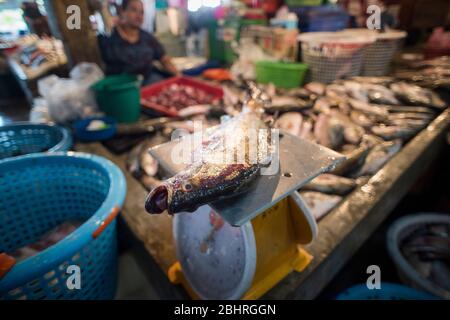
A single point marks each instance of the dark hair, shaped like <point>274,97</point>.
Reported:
<point>126,3</point>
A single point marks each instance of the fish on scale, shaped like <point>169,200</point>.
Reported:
<point>205,180</point>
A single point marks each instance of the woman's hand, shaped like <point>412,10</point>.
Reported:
<point>169,66</point>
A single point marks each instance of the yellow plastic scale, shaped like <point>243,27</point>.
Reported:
<point>279,233</point>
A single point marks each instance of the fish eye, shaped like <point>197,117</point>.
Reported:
<point>187,186</point>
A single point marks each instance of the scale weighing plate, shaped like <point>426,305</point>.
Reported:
<point>300,162</point>
<point>217,263</point>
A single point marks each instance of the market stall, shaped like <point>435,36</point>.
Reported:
<point>344,122</point>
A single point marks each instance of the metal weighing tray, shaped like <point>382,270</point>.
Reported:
<point>300,162</point>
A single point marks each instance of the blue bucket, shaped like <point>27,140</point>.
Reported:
<point>41,191</point>
<point>22,138</point>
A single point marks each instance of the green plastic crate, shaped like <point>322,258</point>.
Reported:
<point>281,74</point>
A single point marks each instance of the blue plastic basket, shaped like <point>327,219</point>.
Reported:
<point>39,192</point>
<point>24,137</point>
<point>388,291</point>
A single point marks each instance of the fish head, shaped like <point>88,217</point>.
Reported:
<point>178,194</point>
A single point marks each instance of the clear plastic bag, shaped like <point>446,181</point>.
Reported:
<point>39,113</point>
<point>71,99</point>
<point>249,53</point>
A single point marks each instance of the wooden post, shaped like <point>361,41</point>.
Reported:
<point>81,44</point>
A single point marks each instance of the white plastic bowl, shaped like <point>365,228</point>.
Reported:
<point>401,229</point>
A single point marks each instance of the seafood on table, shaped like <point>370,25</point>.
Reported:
<point>331,184</point>
<point>180,96</point>
<point>142,165</point>
<point>368,119</point>
<point>320,203</point>
<point>378,157</point>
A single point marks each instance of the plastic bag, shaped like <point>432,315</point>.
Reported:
<point>39,113</point>
<point>249,53</point>
<point>86,72</point>
<point>71,99</point>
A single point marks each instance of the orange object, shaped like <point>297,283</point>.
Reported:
<point>115,211</point>
<point>6,263</point>
<point>217,74</point>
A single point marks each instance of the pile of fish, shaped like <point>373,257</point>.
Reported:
<point>433,73</point>
<point>181,96</point>
<point>368,119</point>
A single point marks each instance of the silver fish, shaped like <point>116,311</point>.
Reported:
<point>322,105</point>
<point>410,109</point>
<point>307,130</point>
<point>320,203</point>
<point>356,91</point>
<point>290,122</point>
<point>352,132</point>
<point>344,107</point>
<point>301,93</point>
<point>394,132</point>
<point>194,110</point>
<point>148,164</point>
<point>316,88</point>
<point>374,80</point>
<point>411,115</point>
<point>377,158</point>
<point>409,123</point>
<point>415,95</point>
<point>348,148</point>
<point>336,91</point>
<point>331,184</point>
<point>375,111</point>
<point>361,119</point>
<point>329,132</point>
<point>286,104</point>
<point>353,160</point>
<point>380,94</point>
<point>133,161</point>
<point>371,140</point>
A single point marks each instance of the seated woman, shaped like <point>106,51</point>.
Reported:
<point>129,49</point>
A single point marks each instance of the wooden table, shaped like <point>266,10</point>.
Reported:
<point>341,233</point>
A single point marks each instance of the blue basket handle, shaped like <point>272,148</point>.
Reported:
<point>6,264</point>
<point>110,218</point>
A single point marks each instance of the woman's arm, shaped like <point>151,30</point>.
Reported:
<point>168,65</point>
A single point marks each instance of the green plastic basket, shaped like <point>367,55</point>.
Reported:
<point>119,97</point>
<point>282,75</point>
